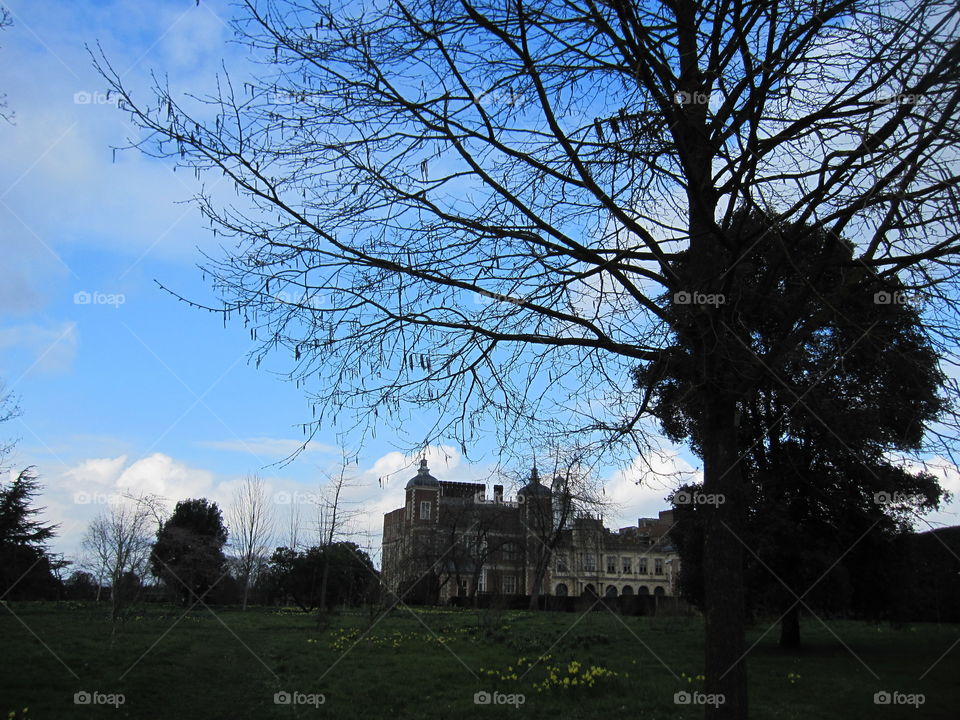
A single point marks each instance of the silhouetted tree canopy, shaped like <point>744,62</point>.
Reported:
<point>25,562</point>
<point>818,433</point>
<point>188,554</point>
<point>298,575</point>
<point>490,211</point>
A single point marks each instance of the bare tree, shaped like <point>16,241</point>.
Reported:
<point>294,521</point>
<point>332,518</point>
<point>5,21</point>
<point>460,205</point>
<point>9,410</point>
<point>573,492</point>
<point>250,519</point>
<point>470,532</point>
<point>119,541</point>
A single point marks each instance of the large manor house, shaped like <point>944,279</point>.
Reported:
<point>450,539</point>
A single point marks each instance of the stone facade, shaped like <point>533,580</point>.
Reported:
<point>451,539</point>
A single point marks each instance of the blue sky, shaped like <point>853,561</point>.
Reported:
<point>121,385</point>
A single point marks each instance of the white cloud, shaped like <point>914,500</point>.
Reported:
<point>639,489</point>
<point>949,477</point>
<point>59,173</point>
<point>95,473</point>
<point>160,474</point>
<point>78,494</point>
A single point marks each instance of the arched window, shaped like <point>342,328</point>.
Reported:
<point>659,592</point>
<point>590,590</point>
<point>561,590</point>
<point>643,590</point>
<point>627,590</point>
<point>611,591</point>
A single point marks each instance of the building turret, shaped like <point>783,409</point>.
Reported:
<point>534,488</point>
<point>536,500</point>
<point>423,478</point>
<point>423,496</point>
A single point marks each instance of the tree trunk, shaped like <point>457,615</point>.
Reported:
<point>323,581</point>
<point>790,629</point>
<point>722,564</point>
<point>246,589</point>
<point>540,570</point>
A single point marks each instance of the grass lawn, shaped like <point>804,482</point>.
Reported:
<point>431,663</point>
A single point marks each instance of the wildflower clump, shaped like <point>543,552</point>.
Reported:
<point>574,675</point>
<point>344,638</point>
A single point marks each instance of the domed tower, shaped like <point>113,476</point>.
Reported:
<point>423,496</point>
<point>536,510</point>
<point>536,499</point>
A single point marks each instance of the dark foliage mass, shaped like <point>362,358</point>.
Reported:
<point>822,497</point>
<point>188,554</point>
<point>26,566</point>
<point>298,576</point>
<point>582,169</point>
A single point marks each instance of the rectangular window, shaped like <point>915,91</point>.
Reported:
<point>611,564</point>
<point>658,566</point>
<point>482,581</point>
<point>627,565</point>
<point>509,585</point>
<point>589,562</point>
<point>425,509</point>
<point>509,551</point>
<point>642,566</point>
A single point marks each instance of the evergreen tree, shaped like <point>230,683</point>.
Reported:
<point>25,563</point>
<point>188,554</point>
